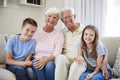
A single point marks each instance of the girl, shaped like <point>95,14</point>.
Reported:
<point>93,52</point>
<point>19,51</point>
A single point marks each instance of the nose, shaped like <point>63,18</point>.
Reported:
<point>30,33</point>
<point>51,18</point>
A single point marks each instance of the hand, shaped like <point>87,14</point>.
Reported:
<point>21,63</point>
<point>89,76</point>
<point>104,71</point>
<point>28,63</point>
<point>80,59</point>
<point>40,63</point>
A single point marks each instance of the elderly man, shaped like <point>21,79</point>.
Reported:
<point>72,34</point>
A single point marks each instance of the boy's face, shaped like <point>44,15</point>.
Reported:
<point>28,30</point>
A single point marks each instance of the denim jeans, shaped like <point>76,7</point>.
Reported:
<point>97,76</point>
<point>22,73</point>
<point>31,73</point>
<point>47,73</point>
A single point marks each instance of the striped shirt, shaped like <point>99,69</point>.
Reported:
<point>48,43</point>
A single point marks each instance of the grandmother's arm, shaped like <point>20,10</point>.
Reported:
<point>59,44</point>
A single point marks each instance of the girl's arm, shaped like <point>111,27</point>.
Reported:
<point>97,69</point>
<point>100,59</point>
<point>80,58</point>
<point>104,68</point>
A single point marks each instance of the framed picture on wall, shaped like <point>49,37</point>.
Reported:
<point>3,3</point>
<point>34,3</point>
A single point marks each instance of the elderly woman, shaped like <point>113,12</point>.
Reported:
<point>49,45</point>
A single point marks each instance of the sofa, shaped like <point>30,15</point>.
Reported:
<point>4,74</point>
<point>111,43</point>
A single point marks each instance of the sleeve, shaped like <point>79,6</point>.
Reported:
<point>101,49</point>
<point>9,45</point>
<point>33,47</point>
<point>78,46</point>
<point>59,44</point>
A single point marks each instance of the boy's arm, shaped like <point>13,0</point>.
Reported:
<point>29,57</point>
<point>28,61</point>
<point>11,61</point>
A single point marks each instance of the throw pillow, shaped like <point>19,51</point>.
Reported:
<point>116,67</point>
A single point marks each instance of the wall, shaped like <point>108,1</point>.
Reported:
<point>13,14</point>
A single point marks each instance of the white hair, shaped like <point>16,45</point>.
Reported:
<point>53,10</point>
<point>68,9</point>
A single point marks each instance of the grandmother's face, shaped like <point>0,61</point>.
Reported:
<point>51,19</point>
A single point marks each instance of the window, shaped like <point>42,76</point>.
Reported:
<point>113,18</point>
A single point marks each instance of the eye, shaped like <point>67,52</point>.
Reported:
<point>32,31</point>
<point>86,34</point>
<point>48,16</point>
<point>55,17</point>
<point>91,34</point>
<point>27,30</point>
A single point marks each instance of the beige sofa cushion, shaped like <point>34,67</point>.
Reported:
<point>112,44</point>
<point>6,75</point>
<point>116,67</point>
<point>2,51</point>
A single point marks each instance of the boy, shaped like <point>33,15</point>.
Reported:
<point>19,50</point>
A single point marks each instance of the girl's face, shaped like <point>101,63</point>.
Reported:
<point>27,31</point>
<point>89,36</point>
<point>51,20</point>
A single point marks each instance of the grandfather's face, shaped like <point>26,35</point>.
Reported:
<point>68,18</point>
<point>51,19</point>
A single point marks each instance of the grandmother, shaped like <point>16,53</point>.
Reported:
<point>49,46</point>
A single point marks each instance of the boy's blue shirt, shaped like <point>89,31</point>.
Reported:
<point>19,49</point>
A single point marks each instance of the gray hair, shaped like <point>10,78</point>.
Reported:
<point>68,9</point>
<point>53,10</point>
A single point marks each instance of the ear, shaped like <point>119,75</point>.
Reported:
<point>21,27</point>
<point>74,16</point>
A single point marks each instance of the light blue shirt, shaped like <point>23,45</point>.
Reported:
<point>19,49</point>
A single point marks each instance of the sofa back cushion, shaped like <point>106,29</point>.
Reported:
<point>2,51</point>
<point>112,44</point>
<point>116,67</point>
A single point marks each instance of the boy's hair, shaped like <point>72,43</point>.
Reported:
<point>95,42</point>
<point>29,21</point>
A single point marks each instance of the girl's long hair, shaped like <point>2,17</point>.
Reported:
<point>83,44</point>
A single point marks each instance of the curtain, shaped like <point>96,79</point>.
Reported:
<point>90,12</point>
